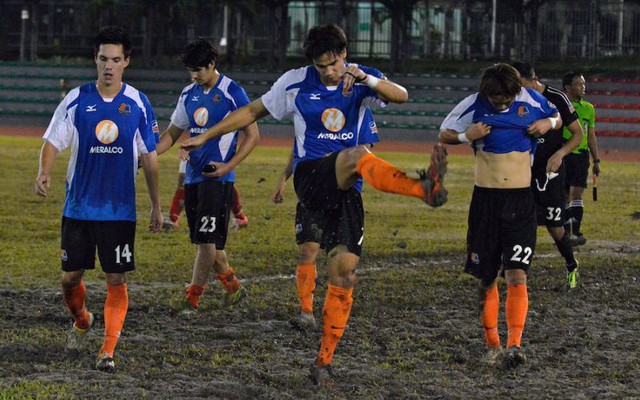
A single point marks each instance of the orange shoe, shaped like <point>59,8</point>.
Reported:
<point>432,179</point>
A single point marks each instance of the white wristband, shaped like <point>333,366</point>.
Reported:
<point>554,122</point>
<point>462,137</point>
<point>371,81</point>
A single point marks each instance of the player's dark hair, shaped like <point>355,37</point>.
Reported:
<point>500,80</point>
<point>113,35</point>
<point>198,54</point>
<point>524,69</point>
<point>324,39</point>
<point>567,79</point>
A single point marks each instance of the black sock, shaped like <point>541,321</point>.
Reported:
<point>566,250</point>
<point>577,214</point>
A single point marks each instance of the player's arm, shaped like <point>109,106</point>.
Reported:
<point>250,141</point>
<point>150,167</point>
<point>544,125</point>
<point>48,154</point>
<point>555,161</point>
<point>387,90</point>
<point>278,195</point>
<point>475,132</point>
<point>238,119</point>
<point>168,138</point>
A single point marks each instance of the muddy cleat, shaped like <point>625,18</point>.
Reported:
<point>577,240</point>
<point>321,375</point>
<point>304,321</point>
<point>515,356</point>
<point>187,308</point>
<point>492,356</point>
<point>241,222</point>
<point>169,226</point>
<point>231,299</point>
<point>76,336</point>
<point>105,363</point>
<point>432,179</point>
<point>572,277</point>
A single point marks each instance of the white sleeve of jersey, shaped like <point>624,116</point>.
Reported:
<point>61,129</point>
<point>142,147</point>
<point>373,101</point>
<point>461,117</point>
<point>278,101</point>
<point>179,117</point>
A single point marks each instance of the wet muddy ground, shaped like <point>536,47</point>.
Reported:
<point>414,334</point>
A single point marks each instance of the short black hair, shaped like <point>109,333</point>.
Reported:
<point>198,54</point>
<point>524,69</point>
<point>324,39</point>
<point>500,80</point>
<point>567,79</point>
<point>113,35</point>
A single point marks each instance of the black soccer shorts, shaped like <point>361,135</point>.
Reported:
<point>325,214</point>
<point>113,239</point>
<point>501,233</point>
<point>207,205</point>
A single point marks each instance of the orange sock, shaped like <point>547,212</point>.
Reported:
<point>335,314</point>
<point>306,282</point>
<point>230,281</point>
<point>490,310</point>
<point>193,294</point>
<point>517,306</point>
<point>177,205</point>
<point>74,300</point>
<point>387,178</point>
<point>115,310</point>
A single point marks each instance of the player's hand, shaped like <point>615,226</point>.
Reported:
<point>278,195</point>
<point>554,162</point>
<point>183,154</point>
<point>193,142</point>
<point>596,169</point>
<point>350,76</point>
<point>478,131</point>
<point>221,169</point>
<point>539,127</point>
<point>42,185</point>
<point>156,220</point>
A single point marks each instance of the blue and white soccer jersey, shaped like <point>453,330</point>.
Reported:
<point>105,139</point>
<point>197,111</point>
<point>508,128</point>
<point>501,224</point>
<point>325,120</point>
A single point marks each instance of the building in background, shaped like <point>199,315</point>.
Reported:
<point>274,29</point>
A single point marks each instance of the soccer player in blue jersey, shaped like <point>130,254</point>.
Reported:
<point>503,122</point>
<point>208,195</point>
<point>107,123</point>
<point>329,102</point>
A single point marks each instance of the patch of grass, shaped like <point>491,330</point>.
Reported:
<point>396,226</point>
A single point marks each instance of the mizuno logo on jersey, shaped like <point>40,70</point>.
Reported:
<point>314,96</point>
<point>195,98</point>
<point>91,108</point>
